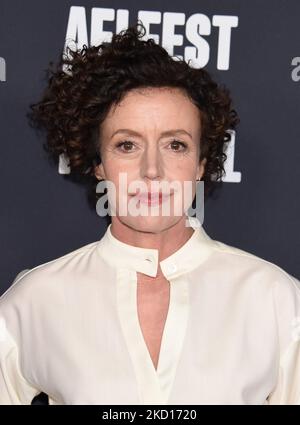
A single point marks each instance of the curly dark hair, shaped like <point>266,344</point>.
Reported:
<point>86,82</point>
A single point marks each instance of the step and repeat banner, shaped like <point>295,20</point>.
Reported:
<point>253,48</point>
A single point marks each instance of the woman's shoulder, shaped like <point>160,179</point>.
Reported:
<point>39,298</point>
<point>268,284</point>
<point>237,259</point>
<point>36,281</point>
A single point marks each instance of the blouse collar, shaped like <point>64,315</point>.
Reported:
<point>145,260</point>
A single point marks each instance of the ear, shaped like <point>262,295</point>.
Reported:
<point>201,168</point>
<point>99,172</point>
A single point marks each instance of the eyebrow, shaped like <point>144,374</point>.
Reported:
<point>163,134</point>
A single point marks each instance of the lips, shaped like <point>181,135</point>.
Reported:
<point>149,196</point>
<point>152,198</point>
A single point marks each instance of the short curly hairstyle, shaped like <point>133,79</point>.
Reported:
<point>87,82</point>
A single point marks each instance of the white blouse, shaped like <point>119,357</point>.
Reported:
<point>70,328</point>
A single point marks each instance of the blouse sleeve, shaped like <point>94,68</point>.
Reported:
<point>14,389</point>
<point>287,389</point>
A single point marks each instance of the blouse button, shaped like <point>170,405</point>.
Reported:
<point>172,268</point>
<point>151,259</point>
<point>194,222</point>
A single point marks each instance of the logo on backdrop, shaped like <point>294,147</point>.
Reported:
<point>2,70</point>
<point>296,70</point>
<point>198,29</point>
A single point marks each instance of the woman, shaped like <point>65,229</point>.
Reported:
<point>155,312</point>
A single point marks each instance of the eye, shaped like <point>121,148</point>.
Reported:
<point>178,146</point>
<point>126,144</point>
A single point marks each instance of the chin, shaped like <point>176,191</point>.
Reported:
<point>150,224</point>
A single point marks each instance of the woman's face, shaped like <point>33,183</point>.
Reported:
<point>151,137</point>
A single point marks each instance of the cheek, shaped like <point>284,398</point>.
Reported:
<point>184,175</point>
<point>120,175</point>
<point>185,170</point>
<point>114,167</point>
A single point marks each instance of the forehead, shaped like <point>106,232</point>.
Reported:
<point>153,108</point>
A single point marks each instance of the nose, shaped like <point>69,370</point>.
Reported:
<point>152,166</point>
